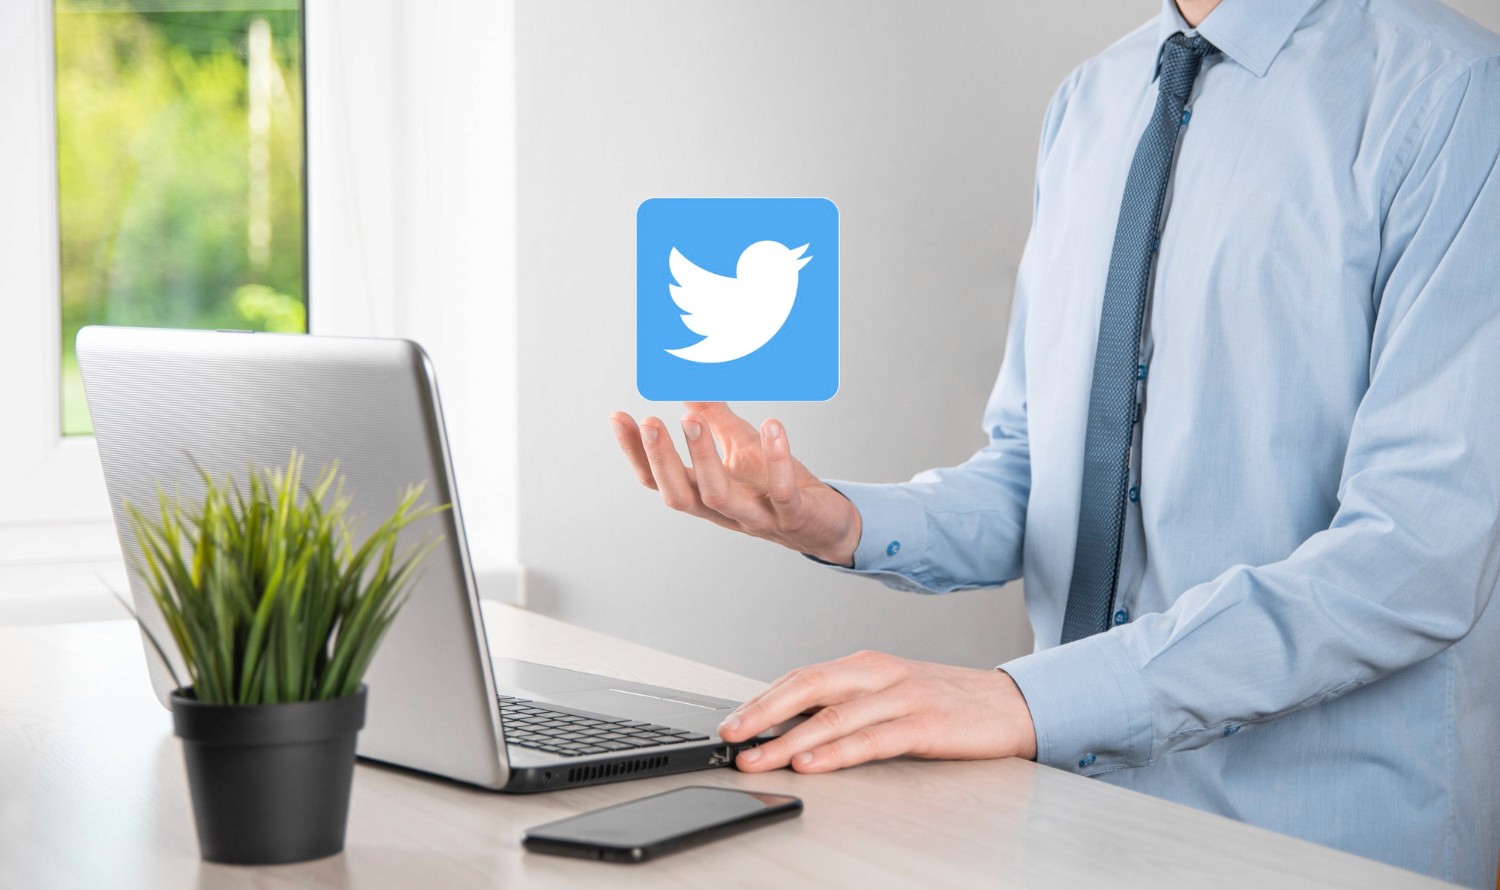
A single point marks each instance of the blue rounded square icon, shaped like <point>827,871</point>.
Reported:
<point>737,299</point>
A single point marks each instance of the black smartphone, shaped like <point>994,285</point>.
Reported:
<point>638,830</point>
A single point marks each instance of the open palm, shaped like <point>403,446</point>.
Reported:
<point>755,487</point>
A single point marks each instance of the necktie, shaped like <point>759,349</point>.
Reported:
<point>1112,400</point>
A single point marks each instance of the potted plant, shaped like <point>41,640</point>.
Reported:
<point>276,613</point>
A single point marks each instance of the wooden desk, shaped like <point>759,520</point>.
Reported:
<point>92,794</point>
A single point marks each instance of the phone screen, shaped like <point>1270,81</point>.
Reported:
<point>661,820</point>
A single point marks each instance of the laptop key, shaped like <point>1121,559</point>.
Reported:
<point>635,742</point>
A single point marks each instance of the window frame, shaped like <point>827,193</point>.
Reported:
<point>54,509</point>
<point>50,478</point>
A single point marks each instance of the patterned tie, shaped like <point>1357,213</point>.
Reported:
<point>1112,401</point>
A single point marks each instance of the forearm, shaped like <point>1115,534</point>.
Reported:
<point>1350,607</point>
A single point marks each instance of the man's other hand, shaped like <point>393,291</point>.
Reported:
<point>757,487</point>
<point>871,706</point>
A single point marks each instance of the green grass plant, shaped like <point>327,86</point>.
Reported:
<point>265,594</point>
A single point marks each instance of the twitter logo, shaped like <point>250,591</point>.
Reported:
<point>737,299</point>
<point>738,315</point>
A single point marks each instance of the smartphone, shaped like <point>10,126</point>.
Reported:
<point>638,830</point>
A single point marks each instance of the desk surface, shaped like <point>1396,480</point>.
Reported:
<point>92,794</point>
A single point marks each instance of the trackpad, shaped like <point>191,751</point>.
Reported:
<point>633,705</point>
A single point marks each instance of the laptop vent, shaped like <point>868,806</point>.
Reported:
<point>619,768</point>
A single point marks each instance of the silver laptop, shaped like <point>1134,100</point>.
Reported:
<point>162,400</point>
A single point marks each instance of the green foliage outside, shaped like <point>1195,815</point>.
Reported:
<point>265,594</point>
<point>154,173</point>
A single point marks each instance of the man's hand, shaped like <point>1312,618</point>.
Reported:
<point>871,706</point>
<point>757,487</point>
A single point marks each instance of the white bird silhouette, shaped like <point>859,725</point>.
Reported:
<point>736,316</point>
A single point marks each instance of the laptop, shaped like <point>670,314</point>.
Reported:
<point>164,402</point>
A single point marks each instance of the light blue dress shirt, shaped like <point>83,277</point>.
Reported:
<point>1306,637</point>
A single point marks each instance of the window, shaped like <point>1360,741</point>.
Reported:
<point>410,194</point>
<point>180,145</point>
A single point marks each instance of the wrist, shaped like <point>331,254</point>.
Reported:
<point>1018,714</point>
<point>841,552</point>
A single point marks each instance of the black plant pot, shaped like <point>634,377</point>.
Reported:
<point>270,783</point>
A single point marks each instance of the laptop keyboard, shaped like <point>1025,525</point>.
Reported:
<point>556,730</point>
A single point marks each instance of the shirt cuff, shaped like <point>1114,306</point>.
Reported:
<point>893,535</point>
<point>1088,704</point>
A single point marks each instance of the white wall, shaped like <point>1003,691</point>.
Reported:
<point>920,121</point>
<point>411,150</point>
<point>1485,12</point>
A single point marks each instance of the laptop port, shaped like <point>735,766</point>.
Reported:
<point>722,755</point>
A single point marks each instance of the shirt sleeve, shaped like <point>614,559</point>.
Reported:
<point>958,528</point>
<point>1412,555</point>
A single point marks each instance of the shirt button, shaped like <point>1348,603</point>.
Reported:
<point>1122,617</point>
<point>1134,494</point>
<point>1140,372</point>
<point>893,548</point>
<point>1187,115</point>
<point>1231,730</point>
<point>1087,760</point>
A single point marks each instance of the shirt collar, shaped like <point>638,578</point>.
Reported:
<point>1251,32</point>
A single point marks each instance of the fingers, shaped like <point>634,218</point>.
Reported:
<point>825,727</point>
<point>670,477</point>
<point>820,685</point>
<point>731,429</point>
<point>716,490</point>
<point>878,742</point>
<point>781,476</point>
<point>666,467</point>
<point>628,436</point>
<point>769,506</point>
<point>756,701</point>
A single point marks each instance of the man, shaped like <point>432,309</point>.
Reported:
<point>1244,447</point>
